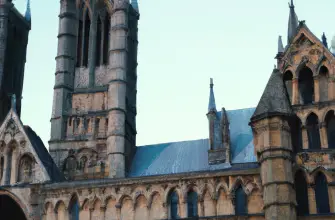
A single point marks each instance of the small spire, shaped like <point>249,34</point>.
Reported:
<point>292,23</point>
<point>28,11</point>
<point>211,103</point>
<point>13,102</point>
<point>324,40</point>
<point>134,3</point>
<point>280,45</point>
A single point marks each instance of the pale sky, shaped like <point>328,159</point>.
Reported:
<point>181,45</point>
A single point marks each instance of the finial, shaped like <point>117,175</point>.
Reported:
<point>292,4</point>
<point>13,102</point>
<point>211,103</point>
<point>280,45</point>
<point>324,40</point>
<point>292,23</point>
<point>28,12</point>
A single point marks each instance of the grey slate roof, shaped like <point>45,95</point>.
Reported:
<point>192,156</point>
<point>274,100</point>
<point>43,154</point>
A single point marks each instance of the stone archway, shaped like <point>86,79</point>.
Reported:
<point>10,209</point>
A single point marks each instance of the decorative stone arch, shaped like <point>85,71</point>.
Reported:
<point>22,205</point>
<point>74,197</point>
<point>289,68</point>
<point>304,63</point>
<point>58,203</point>
<point>304,119</point>
<point>169,190</point>
<point>250,187</point>
<point>122,198</point>
<point>238,182</point>
<point>107,199</point>
<point>151,197</point>
<point>94,201</point>
<point>320,169</point>
<point>221,185</point>
<point>207,188</point>
<point>189,188</point>
<point>136,196</point>
<point>86,202</point>
<point>46,206</point>
<point>20,159</point>
<point>302,169</point>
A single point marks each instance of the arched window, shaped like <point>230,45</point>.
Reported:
<point>301,193</point>
<point>174,202</point>
<point>312,126</point>
<point>25,169</point>
<point>330,125</point>
<point>9,166</point>
<point>74,209</point>
<point>192,204</point>
<point>106,39</point>
<point>87,27</point>
<point>323,84</point>
<point>240,201</point>
<point>98,43</point>
<point>296,131</point>
<point>288,76</point>
<point>306,86</point>
<point>321,194</point>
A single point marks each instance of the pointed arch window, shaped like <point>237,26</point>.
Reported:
<point>9,166</point>
<point>98,42</point>
<point>330,125</point>
<point>87,27</point>
<point>306,85</point>
<point>301,191</point>
<point>240,201</point>
<point>192,204</point>
<point>106,39</point>
<point>321,193</point>
<point>74,210</point>
<point>79,43</point>
<point>174,203</point>
<point>25,169</point>
<point>323,84</point>
<point>312,126</point>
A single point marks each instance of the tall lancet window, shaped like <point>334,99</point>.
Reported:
<point>9,166</point>
<point>301,191</point>
<point>330,124</point>
<point>306,86</point>
<point>106,39</point>
<point>98,42</point>
<point>321,193</point>
<point>240,201</point>
<point>174,203</point>
<point>74,209</point>
<point>192,204</point>
<point>312,125</point>
<point>87,27</point>
<point>323,84</point>
<point>288,76</point>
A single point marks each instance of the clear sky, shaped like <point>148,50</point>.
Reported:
<point>181,45</point>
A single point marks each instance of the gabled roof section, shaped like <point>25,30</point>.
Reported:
<point>275,100</point>
<point>13,125</point>
<point>304,31</point>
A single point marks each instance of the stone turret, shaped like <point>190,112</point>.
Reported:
<point>272,140</point>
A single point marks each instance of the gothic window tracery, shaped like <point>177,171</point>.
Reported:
<point>312,126</point>
<point>192,204</point>
<point>321,193</point>
<point>240,201</point>
<point>301,193</point>
<point>330,125</point>
<point>306,85</point>
<point>25,169</point>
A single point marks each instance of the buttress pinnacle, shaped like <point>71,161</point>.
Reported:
<point>292,23</point>
<point>211,103</point>
<point>28,12</point>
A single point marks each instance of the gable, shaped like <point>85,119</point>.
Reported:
<point>23,157</point>
<point>305,50</point>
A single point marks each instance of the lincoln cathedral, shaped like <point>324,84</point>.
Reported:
<point>272,162</point>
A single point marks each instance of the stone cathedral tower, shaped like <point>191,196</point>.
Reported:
<point>94,103</point>
<point>14,29</point>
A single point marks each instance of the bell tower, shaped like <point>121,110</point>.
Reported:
<point>94,106</point>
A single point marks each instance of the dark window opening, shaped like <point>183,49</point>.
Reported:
<point>323,84</point>
<point>174,201</point>
<point>9,209</point>
<point>74,210</point>
<point>288,76</point>
<point>98,43</point>
<point>79,43</point>
<point>306,86</point>
<point>312,126</point>
<point>301,191</point>
<point>9,166</point>
<point>296,131</point>
<point>106,40</point>
<point>192,204</point>
<point>86,39</point>
<point>330,124</point>
<point>2,164</point>
<point>240,201</point>
<point>321,193</point>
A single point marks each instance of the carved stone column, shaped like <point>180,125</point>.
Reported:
<point>316,89</point>
<point>295,91</point>
<point>166,210</point>
<point>311,200</point>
